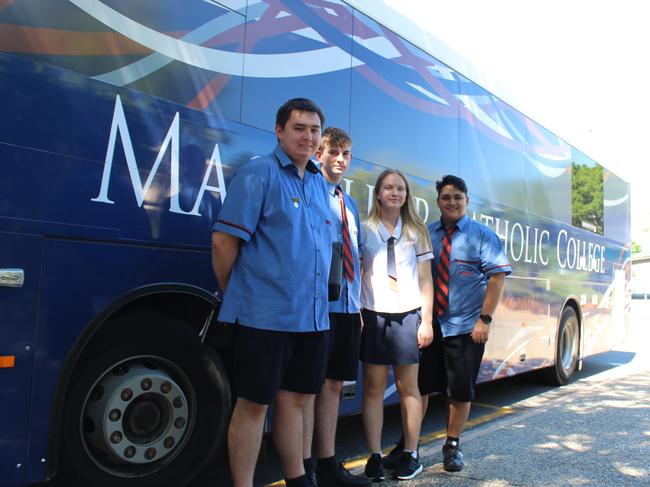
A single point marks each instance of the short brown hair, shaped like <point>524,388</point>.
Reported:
<point>334,137</point>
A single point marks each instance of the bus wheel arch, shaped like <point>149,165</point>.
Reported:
<point>151,339</point>
<point>567,346</point>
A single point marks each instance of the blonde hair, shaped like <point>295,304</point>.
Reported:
<point>411,222</point>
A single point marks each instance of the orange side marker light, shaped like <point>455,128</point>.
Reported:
<point>7,361</point>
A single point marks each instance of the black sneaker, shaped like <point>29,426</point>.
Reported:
<point>392,459</point>
<point>310,472</point>
<point>311,478</point>
<point>339,476</point>
<point>452,458</point>
<point>374,468</point>
<point>407,468</point>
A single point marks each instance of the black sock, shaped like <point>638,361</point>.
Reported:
<point>453,442</point>
<point>297,482</point>
<point>327,464</point>
<point>309,465</point>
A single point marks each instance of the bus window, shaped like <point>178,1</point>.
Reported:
<point>586,193</point>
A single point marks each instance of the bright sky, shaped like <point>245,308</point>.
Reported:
<point>581,68</point>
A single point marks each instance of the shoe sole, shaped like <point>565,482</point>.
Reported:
<point>409,477</point>
<point>453,468</point>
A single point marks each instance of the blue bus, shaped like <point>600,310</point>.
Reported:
<point>121,124</point>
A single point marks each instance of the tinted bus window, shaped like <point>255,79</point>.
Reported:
<point>404,105</point>
<point>586,193</point>
<point>616,206</point>
<point>548,174</point>
<point>492,146</point>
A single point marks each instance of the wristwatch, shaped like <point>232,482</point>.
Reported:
<point>487,319</point>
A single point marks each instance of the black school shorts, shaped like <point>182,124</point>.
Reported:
<point>450,365</point>
<point>344,346</point>
<point>266,361</point>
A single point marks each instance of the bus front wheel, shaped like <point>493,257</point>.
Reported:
<point>148,406</point>
<point>567,348</point>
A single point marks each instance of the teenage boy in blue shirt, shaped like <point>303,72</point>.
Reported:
<point>321,414</point>
<point>271,253</point>
<point>477,270</point>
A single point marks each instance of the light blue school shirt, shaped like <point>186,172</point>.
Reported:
<point>476,254</point>
<point>348,301</point>
<point>279,280</point>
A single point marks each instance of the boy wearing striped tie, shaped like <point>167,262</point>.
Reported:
<point>321,415</point>
<point>469,275</point>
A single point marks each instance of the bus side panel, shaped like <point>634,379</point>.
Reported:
<point>522,333</point>
<point>17,325</point>
<point>403,111</point>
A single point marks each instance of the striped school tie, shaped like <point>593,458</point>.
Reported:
<point>442,274</point>
<point>348,263</point>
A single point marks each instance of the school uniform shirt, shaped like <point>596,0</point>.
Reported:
<point>279,280</point>
<point>476,254</point>
<point>349,299</point>
<point>376,294</point>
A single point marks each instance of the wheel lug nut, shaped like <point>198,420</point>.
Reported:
<point>179,422</point>
<point>97,393</point>
<point>169,442</point>
<point>126,394</point>
<point>165,387</point>
<point>145,384</point>
<point>116,437</point>
<point>178,402</point>
<point>150,453</point>
<point>115,415</point>
<point>129,452</point>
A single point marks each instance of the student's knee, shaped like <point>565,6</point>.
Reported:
<point>246,409</point>
<point>374,390</point>
<point>332,386</point>
<point>291,400</point>
<point>407,390</point>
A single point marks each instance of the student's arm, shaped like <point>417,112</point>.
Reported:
<point>425,331</point>
<point>225,249</point>
<point>495,286</point>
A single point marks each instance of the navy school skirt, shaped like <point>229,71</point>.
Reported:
<point>390,338</point>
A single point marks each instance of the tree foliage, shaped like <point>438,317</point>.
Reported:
<point>587,196</point>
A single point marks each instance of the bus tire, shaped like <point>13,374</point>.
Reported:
<point>567,348</point>
<point>147,406</point>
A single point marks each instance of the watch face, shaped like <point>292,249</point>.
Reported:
<point>487,319</point>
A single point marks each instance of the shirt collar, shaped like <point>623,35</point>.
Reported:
<point>284,160</point>
<point>385,234</point>
<point>461,224</point>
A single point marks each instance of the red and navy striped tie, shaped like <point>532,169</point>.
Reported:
<point>442,274</point>
<point>348,263</point>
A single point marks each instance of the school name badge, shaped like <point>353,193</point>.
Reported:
<point>296,202</point>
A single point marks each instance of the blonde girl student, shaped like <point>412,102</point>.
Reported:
<point>397,302</point>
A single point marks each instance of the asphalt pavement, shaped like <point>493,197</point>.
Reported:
<point>594,431</point>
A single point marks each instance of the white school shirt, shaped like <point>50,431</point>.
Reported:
<point>376,294</point>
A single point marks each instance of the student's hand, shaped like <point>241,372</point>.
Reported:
<point>480,332</point>
<point>425,335</point>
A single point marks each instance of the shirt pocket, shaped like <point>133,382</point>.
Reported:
<point>467,268</point>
